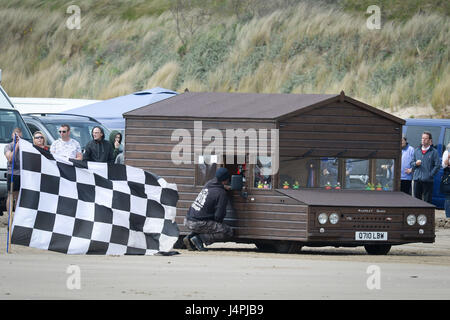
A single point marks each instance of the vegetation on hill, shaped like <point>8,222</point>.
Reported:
<point>290,46</point>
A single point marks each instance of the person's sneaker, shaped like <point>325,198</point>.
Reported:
<point>187,242</point>
<point>198,243</point>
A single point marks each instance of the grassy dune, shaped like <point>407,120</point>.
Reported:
<point>291,47</point>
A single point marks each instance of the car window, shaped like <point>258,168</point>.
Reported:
<point>10,119</point>
<point>33,128</point>
<point>414,134</point>
<point>446,139</point>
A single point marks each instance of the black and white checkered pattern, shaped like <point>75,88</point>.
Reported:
<point>79,207</point>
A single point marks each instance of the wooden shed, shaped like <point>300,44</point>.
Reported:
<point>326,153</point>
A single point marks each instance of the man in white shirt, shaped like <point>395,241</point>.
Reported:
<point>66,146</point>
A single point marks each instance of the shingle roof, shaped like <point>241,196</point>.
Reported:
<point>230,105</point>
<point>236,105</point>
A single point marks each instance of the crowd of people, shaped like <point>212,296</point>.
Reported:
<point>97,150</point>
<point>420,166</point>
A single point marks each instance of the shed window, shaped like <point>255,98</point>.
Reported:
<point>336,173</point>
<point>206,169</point>
<point>384,173</point>
<point>263,173</point>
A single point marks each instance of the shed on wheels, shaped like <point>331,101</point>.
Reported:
<point>316,170</point>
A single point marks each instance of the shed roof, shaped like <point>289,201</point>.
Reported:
<point>258,106</point>
<point>354,198</point>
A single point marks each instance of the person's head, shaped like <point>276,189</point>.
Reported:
<point>426,139</point>
<point>97,133</point>
<point>64,132</point>
<point>16,131</point>
<point>118,137</point>
<point>223,175</point>
<point>39,139</point>
<point>404,141</point>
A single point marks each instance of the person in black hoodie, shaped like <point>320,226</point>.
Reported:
<point>98,149</point>
<point>205,216</point>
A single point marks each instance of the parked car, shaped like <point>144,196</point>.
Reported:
<point>10,118</point>
<point>440,131</point>
<point>49,123</point>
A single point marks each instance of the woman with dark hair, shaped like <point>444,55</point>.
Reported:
<point>98,149</point>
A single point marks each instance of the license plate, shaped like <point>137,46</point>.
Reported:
<point>371,236</point>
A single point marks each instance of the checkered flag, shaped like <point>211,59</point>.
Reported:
<point>79,207</point>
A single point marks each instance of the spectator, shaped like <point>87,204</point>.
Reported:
<point>98,149</point>
<point>116,141</point>
<point>406,174</point>
<point>40,141</point>
<point>206,214</point>
<point>446,166</point>
<point>11,151</point>
<point>65,146</point>
<point>425,164</point>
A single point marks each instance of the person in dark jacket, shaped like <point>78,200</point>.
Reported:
<point>205,216</point>
<point>425,165</point>
<point>99,150</point>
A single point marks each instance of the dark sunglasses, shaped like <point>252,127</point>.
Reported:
<point>39,137</point>
<point>62,131</point>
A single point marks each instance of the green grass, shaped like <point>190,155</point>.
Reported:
<point>288,46</point>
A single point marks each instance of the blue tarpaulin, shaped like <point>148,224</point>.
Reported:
<point>109,112</point>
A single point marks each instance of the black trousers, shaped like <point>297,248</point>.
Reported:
<point>423,190</point>
<point>405,186</point>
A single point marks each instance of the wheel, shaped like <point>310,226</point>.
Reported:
<point>279,246</point>
<point>377,249</point>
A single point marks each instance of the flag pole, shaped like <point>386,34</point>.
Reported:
<point>11,198</point>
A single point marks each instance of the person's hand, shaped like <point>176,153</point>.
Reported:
<point>17,142</point>
<point>227,187</point>
<point>408,171</point>
<point>116,144</point>
<point>325,172</point>
<point>418,162</point>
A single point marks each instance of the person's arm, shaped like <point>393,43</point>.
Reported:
<point>413,161</point>
<point>9,152</point>
<point>111,156</point>
<point>221,208</point>
<point>436,164</point>
<point>87,153</point>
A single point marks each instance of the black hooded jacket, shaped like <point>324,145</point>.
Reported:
<point>210,204</point>
<point>99,151</point>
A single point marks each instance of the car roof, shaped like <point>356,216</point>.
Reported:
<point>58,117</point>
<point>428,122</point>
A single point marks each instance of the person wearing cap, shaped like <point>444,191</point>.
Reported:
<point>206,214</point>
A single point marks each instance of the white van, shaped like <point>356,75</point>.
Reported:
<point>10,118</point>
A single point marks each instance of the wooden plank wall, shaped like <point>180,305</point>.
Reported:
<point>268,216</point>
<point>341,127</point>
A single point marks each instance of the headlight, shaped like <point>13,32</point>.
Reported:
<point>334,218</point>
<point>323,217</point>
<point>411,219</point>
<point>422,219</point>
